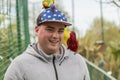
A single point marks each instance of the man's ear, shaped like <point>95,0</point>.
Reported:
<point>36,29</point>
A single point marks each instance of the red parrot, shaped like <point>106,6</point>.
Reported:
<point>72,42</point>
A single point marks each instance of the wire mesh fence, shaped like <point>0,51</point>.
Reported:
<point>14,33</point>
<point>14,36</point>
<point>98,74</point>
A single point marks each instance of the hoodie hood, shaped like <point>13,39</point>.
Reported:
<point>36,52</point>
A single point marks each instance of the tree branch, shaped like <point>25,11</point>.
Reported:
<point>114,2</point>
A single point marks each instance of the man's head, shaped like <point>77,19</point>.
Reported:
<point>52,15</point>
<point>50,29</point>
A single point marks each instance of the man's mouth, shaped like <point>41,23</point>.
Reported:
<point>54,41</point>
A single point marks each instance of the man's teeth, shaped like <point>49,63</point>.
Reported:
<point>54,41</point>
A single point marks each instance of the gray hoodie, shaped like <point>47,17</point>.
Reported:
<point>34,64</point>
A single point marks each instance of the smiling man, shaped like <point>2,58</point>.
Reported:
<point>48,59</point>
<point>50,35</point>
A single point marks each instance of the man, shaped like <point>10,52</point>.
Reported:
<point>48,59</point>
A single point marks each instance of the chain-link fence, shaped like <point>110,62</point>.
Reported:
<point>14,33</point>
<point>98,74</point>
<point>14,36</point>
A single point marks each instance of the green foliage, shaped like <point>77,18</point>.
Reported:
<point>7,47</point>
<point>108,52</point>
<point>114,49</point>
<point>2,18</point>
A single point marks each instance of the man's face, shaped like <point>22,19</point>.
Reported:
<point>50,36</point>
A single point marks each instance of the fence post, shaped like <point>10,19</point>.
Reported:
<point>25,19</point>
<point>18,26</point>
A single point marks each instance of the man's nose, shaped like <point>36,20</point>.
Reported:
<point>55,34</point>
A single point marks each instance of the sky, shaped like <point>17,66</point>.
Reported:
<point>85,11</point>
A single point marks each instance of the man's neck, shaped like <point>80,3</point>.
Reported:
<point>57,52</point>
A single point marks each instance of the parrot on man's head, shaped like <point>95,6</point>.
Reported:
<point>47,3</point>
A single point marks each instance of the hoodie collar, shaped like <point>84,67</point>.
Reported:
<point>50,57</point>
<point>34,50</point>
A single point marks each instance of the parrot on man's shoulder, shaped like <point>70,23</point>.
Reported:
<point>72,42</point>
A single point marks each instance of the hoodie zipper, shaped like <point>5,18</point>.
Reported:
<point>56,74</point>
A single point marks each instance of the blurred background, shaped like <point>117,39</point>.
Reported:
<point>96,23</point>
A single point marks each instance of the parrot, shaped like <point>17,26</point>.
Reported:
<point>47,3</point>
<point>66,36</point>
<point>72,42</point>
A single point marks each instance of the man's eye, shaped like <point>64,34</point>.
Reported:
<point>61,31</point>
<point>49,29</point>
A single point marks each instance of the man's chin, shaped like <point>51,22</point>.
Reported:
<point>54,49</point>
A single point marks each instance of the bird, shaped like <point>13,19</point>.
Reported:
<point>72,42</point>
<point>47,3</point>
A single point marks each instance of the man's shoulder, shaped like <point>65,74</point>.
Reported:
<point>72,53</point>
<point>21,58</point>
<point>76,56</point>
